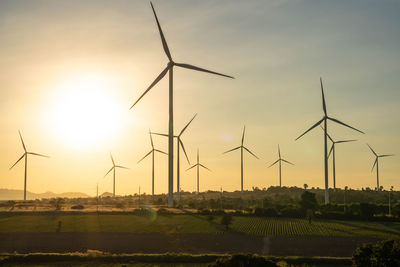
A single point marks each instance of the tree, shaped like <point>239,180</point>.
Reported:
<point>382,254</point>
<point>308,201</point>
<point>226,220</point>
<point>305,186</point>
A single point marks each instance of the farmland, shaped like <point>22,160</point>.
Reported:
<point>194,224</point>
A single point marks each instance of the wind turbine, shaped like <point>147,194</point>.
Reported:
<point>25,155</point>
<point>377,164</point>
<point>280,160</point>
<point>198,165</point>
<point>152,152</point>
<point>179,145</point>
<point>325,119</point>
<point>241,156</point>
<point>113,169</point>
<point>332,151</point>
<point>169,68</point>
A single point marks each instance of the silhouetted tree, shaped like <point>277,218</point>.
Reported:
<point>308,201</point>
<point>226,220</point>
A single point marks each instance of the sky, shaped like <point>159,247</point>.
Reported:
<point>70,70</point>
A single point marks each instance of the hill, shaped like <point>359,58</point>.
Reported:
<point>14,194</point>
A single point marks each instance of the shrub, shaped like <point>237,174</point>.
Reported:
<point>384,253</point>
<point>78,207</point>
<point>242,260</point>
<point>162,211</point>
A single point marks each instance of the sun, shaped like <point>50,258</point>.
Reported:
<point>86,111</point>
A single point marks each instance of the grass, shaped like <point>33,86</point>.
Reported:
<point>136,260</point>
<point>186,224</point>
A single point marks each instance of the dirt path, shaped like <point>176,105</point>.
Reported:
<point>188,243</point>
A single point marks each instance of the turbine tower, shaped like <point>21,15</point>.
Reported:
<point>332,151</point>
<point>169,68</point>
<point>325,119</point>
<point>241,157</point>
<point>25,155</point>
<point>198,165</point>
<point>178,146</point>
<point>152,152</point>
<point>377,164</point>
<point>280,160</point>
<point>113,169</point>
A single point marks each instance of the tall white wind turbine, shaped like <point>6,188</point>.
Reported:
<point>325,119</point>
<point>169,68</point>
<point>242,147</point>
<point>376,163</point>
<point>280,160</point>
<point>114,166</point>
<point>198,165</point>
<point>179,144</point>
<point>152,152</point>
<point>25,155</point>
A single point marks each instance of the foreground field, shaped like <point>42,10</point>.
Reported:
<point>195,234</point>
<point>188,224</point>
<point>164,260</point>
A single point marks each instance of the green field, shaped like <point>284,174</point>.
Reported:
<point>185,224</point>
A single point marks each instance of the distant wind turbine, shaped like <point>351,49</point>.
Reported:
<point>198,165</point>
<point>332,151</point>
<point>241,157</point>
<point>152,152</point>
<point>179,145</point>
<point>377,164</point>
<point>25,155</point>
<point>169,68</point>
<point>113,169</point>
<point>325,119</point>
<point>280,165</point>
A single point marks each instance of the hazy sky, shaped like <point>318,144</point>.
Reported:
<point>70,70</point>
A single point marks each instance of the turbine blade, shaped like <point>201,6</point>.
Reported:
<point>151,139</point>
<point>36,154</point>
<point>195,165</point>
<point>121,167</point>
<point>274,163</point>
<point>22,140</point>
<point>244,131</point>
<point>188,66</point>
<point>201,165</point>
<point>160,134</point>
<point>345,141</point>
<point>330,151</point>
<point>373,166</point>
<point>112,159</point>
<point>284,160</point>
<point>184,150</point>
<point>279,151</point>
<point>344,124</point>
<point>164,42</point>
<point>382,156</point>
<point>159,151</point>
<point>327,134</point>
<point>109,171</point>
<point>372,150</point>
<point>231,150</point>
<point>250,152</point>
<point>323,97</point>
<point>145,156</point>
<point>184,128</point>
<point>162,74</point>
<point>312,127</point>
<point>18,160</point>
